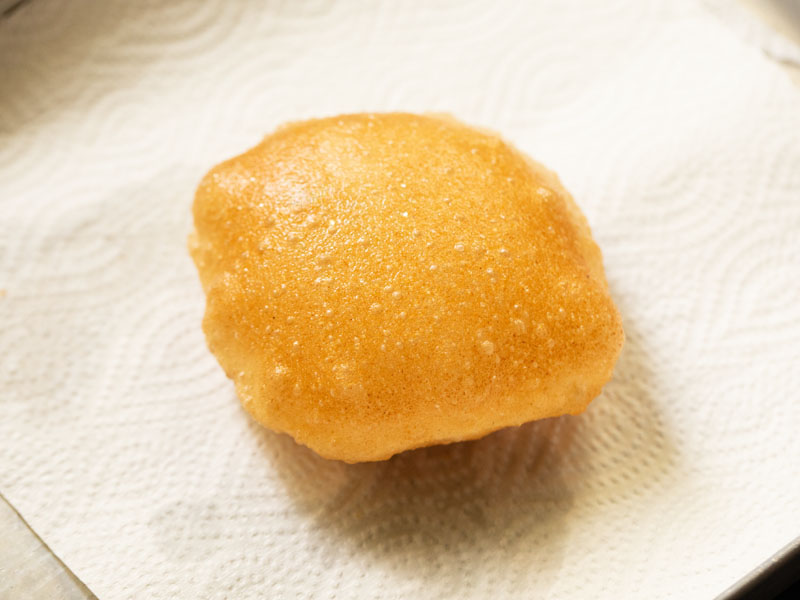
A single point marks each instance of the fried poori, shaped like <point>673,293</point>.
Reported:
<point>381,282</point>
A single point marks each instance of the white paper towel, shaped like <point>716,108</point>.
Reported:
<point>775,44</point>
<point>122,442</point>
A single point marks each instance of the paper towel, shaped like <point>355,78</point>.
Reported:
<point>775,44</point>
<point>121,441</point>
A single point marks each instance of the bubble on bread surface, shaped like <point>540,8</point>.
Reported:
<point>331,261</point>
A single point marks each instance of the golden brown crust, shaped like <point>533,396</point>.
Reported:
<point>382,282</point>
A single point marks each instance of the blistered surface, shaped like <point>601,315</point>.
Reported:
<point>381,282</point>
